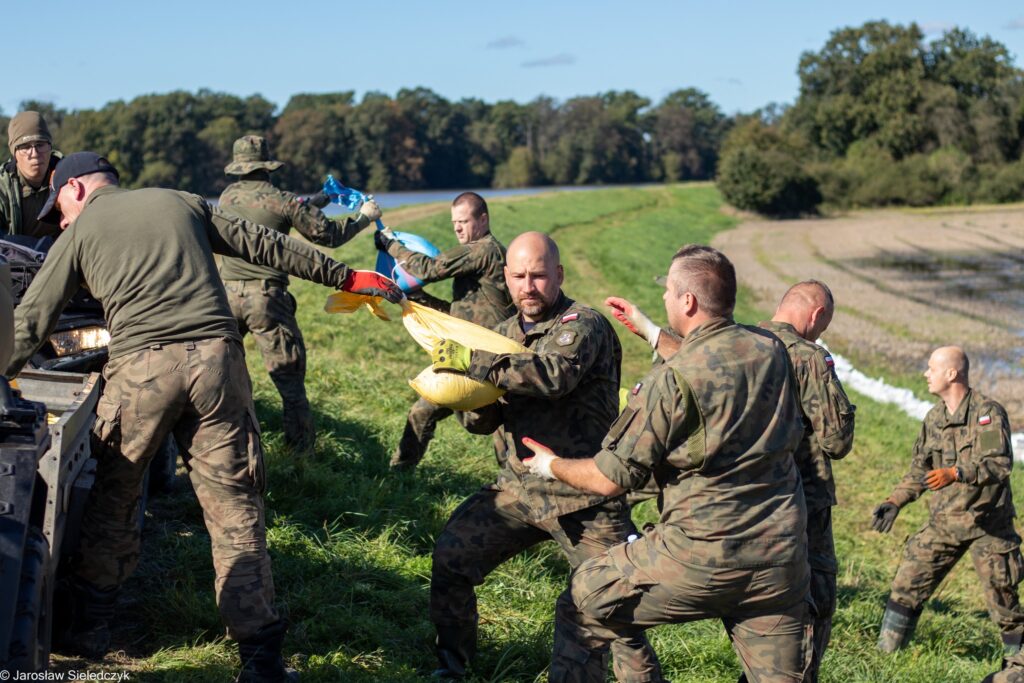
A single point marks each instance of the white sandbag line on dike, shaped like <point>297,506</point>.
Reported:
<point>904,399</point>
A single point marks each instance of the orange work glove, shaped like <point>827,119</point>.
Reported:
<point>941,478</point>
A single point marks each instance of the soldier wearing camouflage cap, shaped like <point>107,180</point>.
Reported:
<point>565,391</point>
<point>479,295</point>
<point>258,295</point>
<point>24,178</point>
<point>176,365</point>
<point>716,425</point>
<point>964,456</point>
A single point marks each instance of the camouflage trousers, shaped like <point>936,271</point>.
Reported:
<point>634,586</point>
<point>492,526</point>
<point>267,310</point>
<point>930,555</point>
<point>419,430</point>
<point>821,555</point>
<point>200,392</point>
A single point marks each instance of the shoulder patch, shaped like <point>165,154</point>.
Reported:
<point>636,388</point>
<point>566,338</point>
<point>568,318</point>
<point>985,419</point>
<point>828,361</point>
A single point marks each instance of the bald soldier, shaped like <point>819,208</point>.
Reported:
<point>564,392</point>
<point>802,317</point>
<point>963,456</point>
<point>716,426</point>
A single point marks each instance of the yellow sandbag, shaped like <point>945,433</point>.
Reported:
<point>447,389</point>
<point>347,302</point>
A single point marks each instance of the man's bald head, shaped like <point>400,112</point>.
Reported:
<point>533,273</point>
<point>808,306</point>
<point>533,245</point>
<point>947,374</point>
<point>953,358</point>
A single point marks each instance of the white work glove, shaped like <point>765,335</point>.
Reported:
<point>634,320</point>
<point>370,209</point>
<point>540,463</point>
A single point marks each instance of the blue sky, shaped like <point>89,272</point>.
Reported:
<point>742,53</point>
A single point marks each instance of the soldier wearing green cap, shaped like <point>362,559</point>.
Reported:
<point>258,295</point>
<point>23,178</point>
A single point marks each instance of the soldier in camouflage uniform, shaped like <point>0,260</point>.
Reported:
<point>176,365</point>
<point>803,316</point>
<point>963,454</point>
<point>565,391</point>
<point>23,178</point>
<point>6,314</point>
<point>259,296</point>
<point>479,295</point>
<point>716,426</point>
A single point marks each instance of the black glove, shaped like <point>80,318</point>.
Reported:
<point>383,238</point>
<point>319,200</point>
<point>884,516</point>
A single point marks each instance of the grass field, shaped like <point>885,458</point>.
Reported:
<point>351,543</point>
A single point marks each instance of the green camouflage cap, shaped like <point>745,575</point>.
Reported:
<point>251,153</point>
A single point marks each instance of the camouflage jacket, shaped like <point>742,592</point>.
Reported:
<point>976,438</point>
<point>160,285</point>
<point>717,425</point>
<point>258,201</point>
<point>6,314</point>
<point>828,415</point>
<point>564,395</point>
<point>20,204</point>
<point>479,293</point>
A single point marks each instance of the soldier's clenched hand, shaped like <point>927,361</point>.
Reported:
<point>634,320</point>
<point>449,355</point>
<point>370,209</point>
<point>319,200</point>
<point>372,284</point>
<point>884,516</point>
<point>383,238</point>
<point>941,478</point>
<point>540,463</point>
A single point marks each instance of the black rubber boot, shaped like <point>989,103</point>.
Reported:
<point>455,645</point>
<point>261,656</point>
<point>898,624</point>
<point>92,610</point>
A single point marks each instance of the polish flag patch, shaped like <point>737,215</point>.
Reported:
<point>829,362</point>
<point>570,317</point>
<point>637,387</point>
<point>985,419</point>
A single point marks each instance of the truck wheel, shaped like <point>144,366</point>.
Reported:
<point>30,632</point>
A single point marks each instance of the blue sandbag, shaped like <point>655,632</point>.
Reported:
<point>387,266</point>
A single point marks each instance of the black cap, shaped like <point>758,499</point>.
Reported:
<point>74,166</point>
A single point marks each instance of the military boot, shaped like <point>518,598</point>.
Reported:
<point>898,624</point>
<point>261,656</point>
<point>455,645</point>
<point>92,610</point>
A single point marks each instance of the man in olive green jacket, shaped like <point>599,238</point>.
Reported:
<point>176,365</point>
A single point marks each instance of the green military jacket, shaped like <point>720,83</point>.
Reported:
<point>976,438</point>
<point>564,395</point>
<point>258,201</point>
<point>20,204</point>
<point>717,425</point>
<point>479,292</point>
<point>828,415</point>
<point>6,314</point>
<point>147,256</point>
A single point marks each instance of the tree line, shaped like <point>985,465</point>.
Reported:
<point>885,118</point>
<point>414,140</point>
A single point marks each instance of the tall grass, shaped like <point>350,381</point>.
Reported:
<point>351,542</point>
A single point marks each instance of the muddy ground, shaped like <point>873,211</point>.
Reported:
<point>905,282</point>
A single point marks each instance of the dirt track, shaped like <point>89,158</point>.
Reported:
<point>905,282</point>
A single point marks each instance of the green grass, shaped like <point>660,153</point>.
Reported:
<point>351,543</point>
